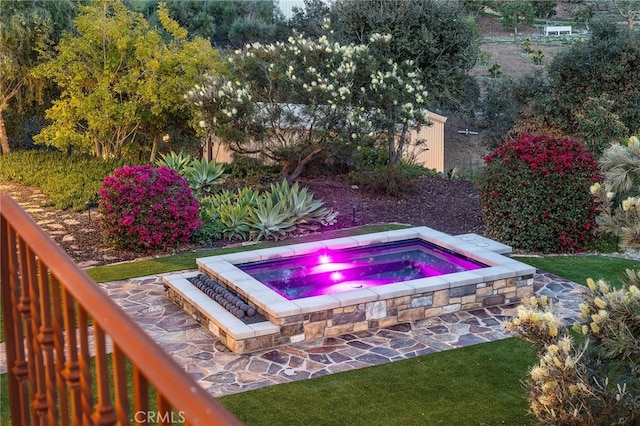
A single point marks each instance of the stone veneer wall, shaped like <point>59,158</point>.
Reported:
<point>371,315</point>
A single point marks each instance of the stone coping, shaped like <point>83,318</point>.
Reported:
<point>273,305</point>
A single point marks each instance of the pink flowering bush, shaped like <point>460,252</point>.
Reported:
<point>146,207</point>
<point>535,194</point>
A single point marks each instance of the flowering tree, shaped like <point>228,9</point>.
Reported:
<point>395,95</point>
<point>304,97</point>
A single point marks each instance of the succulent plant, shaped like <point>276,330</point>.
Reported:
<point>205,177</point>
<point>308,213</point>
<point>177,162</point>
<point>234,219</point>
<point>269,219</point>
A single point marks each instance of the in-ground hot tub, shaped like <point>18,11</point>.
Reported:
<point>362,282</point>
<point>328,271</point>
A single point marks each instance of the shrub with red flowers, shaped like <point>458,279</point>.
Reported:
<point>147,207</point>
<point>535,194</point>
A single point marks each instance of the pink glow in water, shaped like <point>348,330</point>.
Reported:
<point>329,272</point>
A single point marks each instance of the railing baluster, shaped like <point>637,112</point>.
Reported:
<point>104,414</point>
<point>85,372</point>
<point>16,360</point>
<point>72,365</point>
<point>140,397</point>
<point>45,341</point>
<point>120,390</point>
<point>37,358</point>
<point>26,278</point>
<point>58,343</point>
<point>164,411</point>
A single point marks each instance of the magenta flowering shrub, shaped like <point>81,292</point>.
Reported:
<point>535,194</point>
<point>147,207</point>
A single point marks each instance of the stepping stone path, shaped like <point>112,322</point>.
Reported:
<point>61,226</point>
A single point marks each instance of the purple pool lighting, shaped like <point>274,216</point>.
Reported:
<point>335,271</point>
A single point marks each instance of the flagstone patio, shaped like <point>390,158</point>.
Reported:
<point>222,372</point>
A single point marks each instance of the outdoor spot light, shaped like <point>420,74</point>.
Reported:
<point>90,204</point>
<point>354,207</point>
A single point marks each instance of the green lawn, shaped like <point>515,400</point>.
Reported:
<point>579,268</point>
<point>475,385</point>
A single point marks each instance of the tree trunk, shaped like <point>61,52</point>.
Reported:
<point>154,148</point>
<point>300,166</point>
<point>391,141</point>
<point>4,139</point>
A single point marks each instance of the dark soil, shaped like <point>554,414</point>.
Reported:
<point>448,205</point>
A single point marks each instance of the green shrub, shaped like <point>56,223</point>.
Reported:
<point>618,198</point>
<point>593,383</point>
<point>68,180</point>
<point>534,194</point>
<point>247,171</point>
<point>395,180</point>
<point>369,157</point>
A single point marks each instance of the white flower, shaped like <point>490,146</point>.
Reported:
<point>628,204</point>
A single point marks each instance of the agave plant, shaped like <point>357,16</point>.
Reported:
<point>246,197</point>
<point>234,221</point>
<point>205,177</point>
<point>269,219</point>
<point>221,198</point>
<point>176,162</point>
<point>308,213</point>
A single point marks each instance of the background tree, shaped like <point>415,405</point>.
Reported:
<point>292,101</point>
<point>515,12</point>
<point>287,101</point>
<point>498,109</point>
<point>437,36</point>
<point>584,15</point>
<point>225,22</point>
<point>308,20</point>
<point>180,63</point>
<point>27,29</point>
<point>118,76</point>
<point>544,8</point>
<point>592,91</point>
<point>629,10</point>
<point>395,98</point>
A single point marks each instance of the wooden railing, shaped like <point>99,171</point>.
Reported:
<point>50,307</point>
